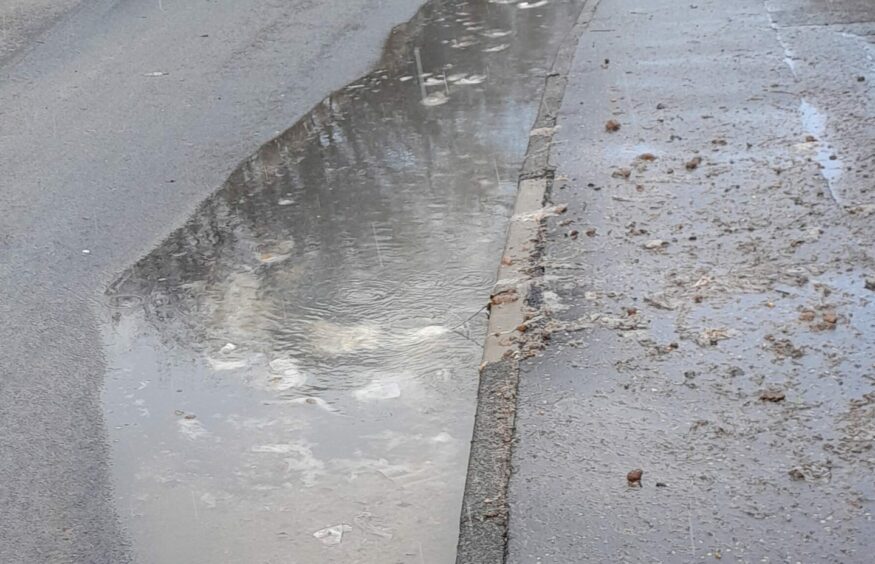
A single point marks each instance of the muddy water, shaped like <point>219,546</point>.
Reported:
<point>293,371</point>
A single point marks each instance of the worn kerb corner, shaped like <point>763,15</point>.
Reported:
<point>484,516</point>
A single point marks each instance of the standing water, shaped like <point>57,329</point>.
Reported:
<point>293,372</point>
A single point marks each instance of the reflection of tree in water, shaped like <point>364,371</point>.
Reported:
<point>371,208</point>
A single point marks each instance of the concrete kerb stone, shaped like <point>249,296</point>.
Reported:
<point>484,516</point>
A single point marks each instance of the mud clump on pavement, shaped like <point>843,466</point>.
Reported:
<point>634,477</point>
<point>784,348</point>
<point>818,472</point>
<point>807,315</point>
<point>506,297</point>
<point>773,396</point>
<point>693,163</point>
<point>612,126</point>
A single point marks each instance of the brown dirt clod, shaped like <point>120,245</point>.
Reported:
<point>693,163</point>
<point>773,396</point>
<point>504,297</point>
<point>634,476</point>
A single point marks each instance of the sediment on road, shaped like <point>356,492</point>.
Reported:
<point>707,390</point>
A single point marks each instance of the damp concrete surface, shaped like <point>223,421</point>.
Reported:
<point>710,293</point>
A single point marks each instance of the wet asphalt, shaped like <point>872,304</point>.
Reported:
<point>709,319</point>
<point>293,371</point>
<point>221,349</point>
<point>118,118</point>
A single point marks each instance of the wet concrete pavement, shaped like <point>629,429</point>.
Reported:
<point>709,319</point>
<point>21,21</point>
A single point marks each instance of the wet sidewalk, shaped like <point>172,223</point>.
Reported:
<point>709,295</point>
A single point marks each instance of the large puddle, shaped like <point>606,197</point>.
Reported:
<point>293,372</point>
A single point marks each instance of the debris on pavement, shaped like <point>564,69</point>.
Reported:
<point>693,163</point>
<point>333,535</point>
<point>660,301</point>
<point>772,396</point>
<point>757,263</point>
<point>654,244</point>
<point>612,126</point>
<point>710,337</point>
<point>634,477</point>
<point>538,215</point>
<point>817,472</point>
<point>505,297</point>
<point>784,348</point>
<point>806,315</point>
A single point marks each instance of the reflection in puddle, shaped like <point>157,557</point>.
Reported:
<point>831,167</point>
<point>294,371</point>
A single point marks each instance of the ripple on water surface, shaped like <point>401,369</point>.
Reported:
<point>294,370</point>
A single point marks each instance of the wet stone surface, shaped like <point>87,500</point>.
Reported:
<point>714,327</point>
<point>292,373</point>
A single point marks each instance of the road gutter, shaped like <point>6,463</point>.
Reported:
<point>513,327</point>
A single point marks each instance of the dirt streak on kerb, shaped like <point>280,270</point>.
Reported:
<point>484,519</point>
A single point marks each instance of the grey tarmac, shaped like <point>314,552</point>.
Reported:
<point>118,117</point>
<point>232,325</point>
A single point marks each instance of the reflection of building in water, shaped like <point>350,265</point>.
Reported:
<point>341,219</point>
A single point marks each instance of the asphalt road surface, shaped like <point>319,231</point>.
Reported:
<point>116,118</point>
